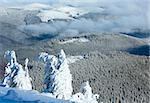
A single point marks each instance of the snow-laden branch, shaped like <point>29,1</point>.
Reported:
<point>15,75</point>
<point>58,79</point>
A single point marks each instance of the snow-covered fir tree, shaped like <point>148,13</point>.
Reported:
<point>58,79</point>
<point>85,95</point>
<point>15,75</point>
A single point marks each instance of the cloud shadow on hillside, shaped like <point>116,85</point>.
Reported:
<point>143,50</point>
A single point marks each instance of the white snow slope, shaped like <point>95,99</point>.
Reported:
<point>11,95</point>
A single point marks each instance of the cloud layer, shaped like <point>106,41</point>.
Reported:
<point>118,16</point>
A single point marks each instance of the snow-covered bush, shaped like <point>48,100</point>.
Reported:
<point>85,95</point>
<point>57,78</point>
<point>15,75</point>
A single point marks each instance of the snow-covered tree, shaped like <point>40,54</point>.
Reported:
<point>85,95</point>
<point>15,75</point>
<point>86,90</point>
<point>58,79</point>
<point>22,79</point>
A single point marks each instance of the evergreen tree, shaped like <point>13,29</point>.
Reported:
<point>58,79</point>
<point>15,75</point>
<point>85,95</point>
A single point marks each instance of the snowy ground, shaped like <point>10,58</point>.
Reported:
<point>10,95</point>
<point>107,61</point>
<point>106,43</point>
